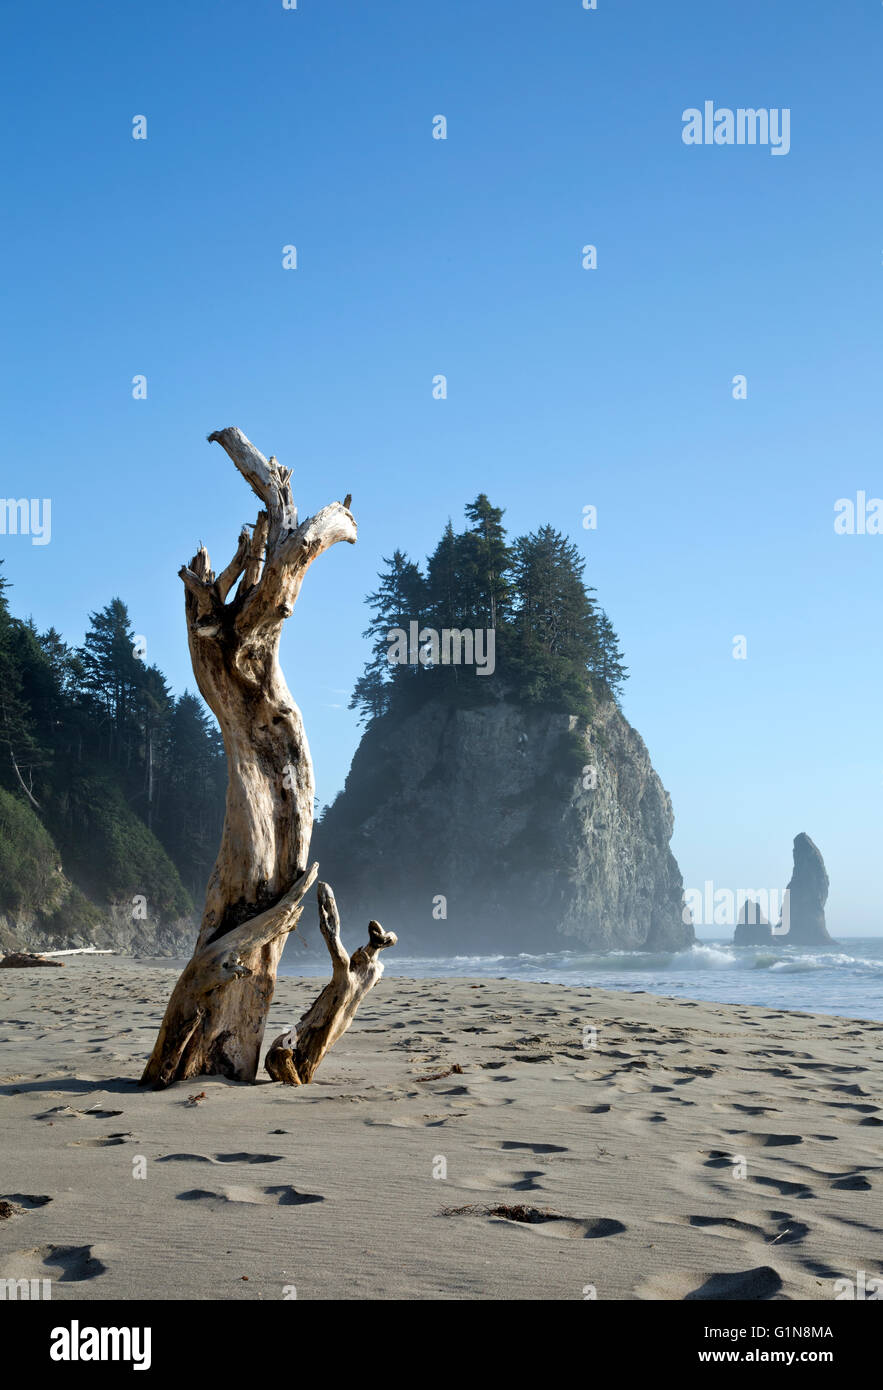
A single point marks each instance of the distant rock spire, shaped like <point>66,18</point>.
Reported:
<point>752,928</point>
<point>807,895</point>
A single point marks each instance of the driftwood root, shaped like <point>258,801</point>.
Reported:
<point>295,1054</point>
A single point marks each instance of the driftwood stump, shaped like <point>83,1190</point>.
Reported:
<point>295,1055</point>
<point>215,1018</point>
<point>20,960</point>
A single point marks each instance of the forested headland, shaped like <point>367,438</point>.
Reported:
<point>111,787</point>
<point>504,812</point>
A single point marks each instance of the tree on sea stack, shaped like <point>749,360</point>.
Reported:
<point>215,1018</point>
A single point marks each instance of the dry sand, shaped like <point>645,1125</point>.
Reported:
<point>625,1153</point>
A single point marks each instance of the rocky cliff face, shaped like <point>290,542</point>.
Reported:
<point>110,928</point>
<point>505,828</point>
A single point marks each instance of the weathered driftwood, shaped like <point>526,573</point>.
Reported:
<point>295,1055</point>
<point>215,1018</point>
<point>18,960</point>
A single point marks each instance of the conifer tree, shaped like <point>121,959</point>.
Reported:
<point>190,813</point>
<point>610,666</point>
<point>20,751</point>
<point>446,597</point>
<point>154,706</point>
<point>488,558</point>
<point>112,674</point>
<point>554,645</point>
<point>399,600</point>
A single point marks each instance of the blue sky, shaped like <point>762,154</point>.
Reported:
<point>567,387</point>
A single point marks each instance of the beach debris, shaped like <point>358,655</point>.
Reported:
<point>18,1203</point>
<point>196,1098</point>
<point>21,959</point>
<point>518,1212</point>
<point>81,951</point>
<point>455,1070</point>
<point>511,1212</point>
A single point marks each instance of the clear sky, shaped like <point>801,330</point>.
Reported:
<point>566,387</point>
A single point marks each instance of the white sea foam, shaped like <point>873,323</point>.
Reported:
<point>844,980</point>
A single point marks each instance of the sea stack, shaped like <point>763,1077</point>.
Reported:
<point>807,895</point>
<point>539,831</point>
<point>752,928</point>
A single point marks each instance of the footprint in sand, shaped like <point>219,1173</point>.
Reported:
<point>827,1066</point>
<point>849,1105</point>
<point>103,1141</point>
<point>584,1109</point>
<point>747,1109</point>
<point>64,1264</point>
<point>769,1141</point>
<point>717,1158</point>
<point>543,1222</point>
<point>820,1269</point>
<point>18,1203</point>
<point>761,1282</point>
<point>785,1189</point>
<point>67,1112</point>
<point>534,1148</point>
<point>281,1196</point>
<point>222,1158</point>
<point>772,1227</point>
<point>517,1180</point>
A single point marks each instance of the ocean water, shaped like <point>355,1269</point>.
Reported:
<point>844,978</point>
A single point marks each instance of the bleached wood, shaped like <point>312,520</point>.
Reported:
<point>295,1055</point>
<point>215,1018</point>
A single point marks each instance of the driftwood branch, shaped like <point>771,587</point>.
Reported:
<point>228,577</point>
<point>295,1055</point>
<point>267,480</point>
<point>215,1018</point>
<point>226,955</point>
<point>254,562</point>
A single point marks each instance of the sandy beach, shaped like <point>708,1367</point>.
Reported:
<point>464,1140</point>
